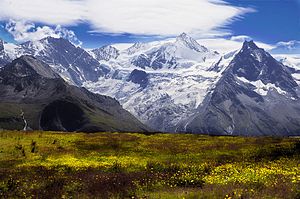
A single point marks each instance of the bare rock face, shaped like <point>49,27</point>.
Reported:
<point>73,63</point>
<point>32,93</point>
<point>139,77</point>
<point>255,96</point>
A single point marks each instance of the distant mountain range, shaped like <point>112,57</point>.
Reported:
<point>179,85</point>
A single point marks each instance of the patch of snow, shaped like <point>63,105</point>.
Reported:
<point>11,50</point>
<point>257,55</point>
<point>122,46</point>
<point>296,76</point>
<point>262,88</point>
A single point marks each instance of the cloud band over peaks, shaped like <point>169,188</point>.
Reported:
<point>139,17</point>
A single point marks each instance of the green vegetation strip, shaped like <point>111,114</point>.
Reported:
<point>126,165</point>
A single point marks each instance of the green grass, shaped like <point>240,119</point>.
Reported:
<point>115,165</point>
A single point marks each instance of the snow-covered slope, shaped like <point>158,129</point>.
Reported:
<point>4,55</point>
<point>162,96</point>
<point>191,82</point>
<point>183,52</point>
<point>73,63</point>
<point>105,53</point>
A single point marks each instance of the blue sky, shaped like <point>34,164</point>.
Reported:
<point>273,21</point>
<point>97,22</point>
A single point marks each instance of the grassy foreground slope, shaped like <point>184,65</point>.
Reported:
<point>105,165</point>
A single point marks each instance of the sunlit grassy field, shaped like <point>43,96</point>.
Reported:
<point>118,165</point>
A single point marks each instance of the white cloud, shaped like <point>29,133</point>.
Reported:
<point>52,12</point>
<point>122,46</point>
<point>142,17</point>
<point>227,45</point>
<point>160,17</point>
<point>240,38</point>
<point>23,31</point>
<point>289,44</point>
<point>287,47</point>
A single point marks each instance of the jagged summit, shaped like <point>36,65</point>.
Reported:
<point>190,42</point>
<point>256,95</point>
<point>249,45</point>
<point>137,47</point>
<point>106,53</point>
<point>137,44</point>
<point>182,36</point>
<point>57,39</point>
<point>170,54</point>
<point>27,65</point>
<point>40,44</point>
<point>70,61</point>
<point>255,64</point>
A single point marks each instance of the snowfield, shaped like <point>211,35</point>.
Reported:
<point>174,91</point>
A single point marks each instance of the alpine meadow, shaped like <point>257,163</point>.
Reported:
<point>150,99</point>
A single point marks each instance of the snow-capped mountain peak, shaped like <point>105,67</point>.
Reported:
<point>73,63</point>
<point>105,53</point>
<point>28,66</point>
<point>255,64</point>
<point>137,47</point>
<point>251,49</point>
<point>190,43</point>
<point>256,95</point>
<point>249,45</point>
<point>182,52</point>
